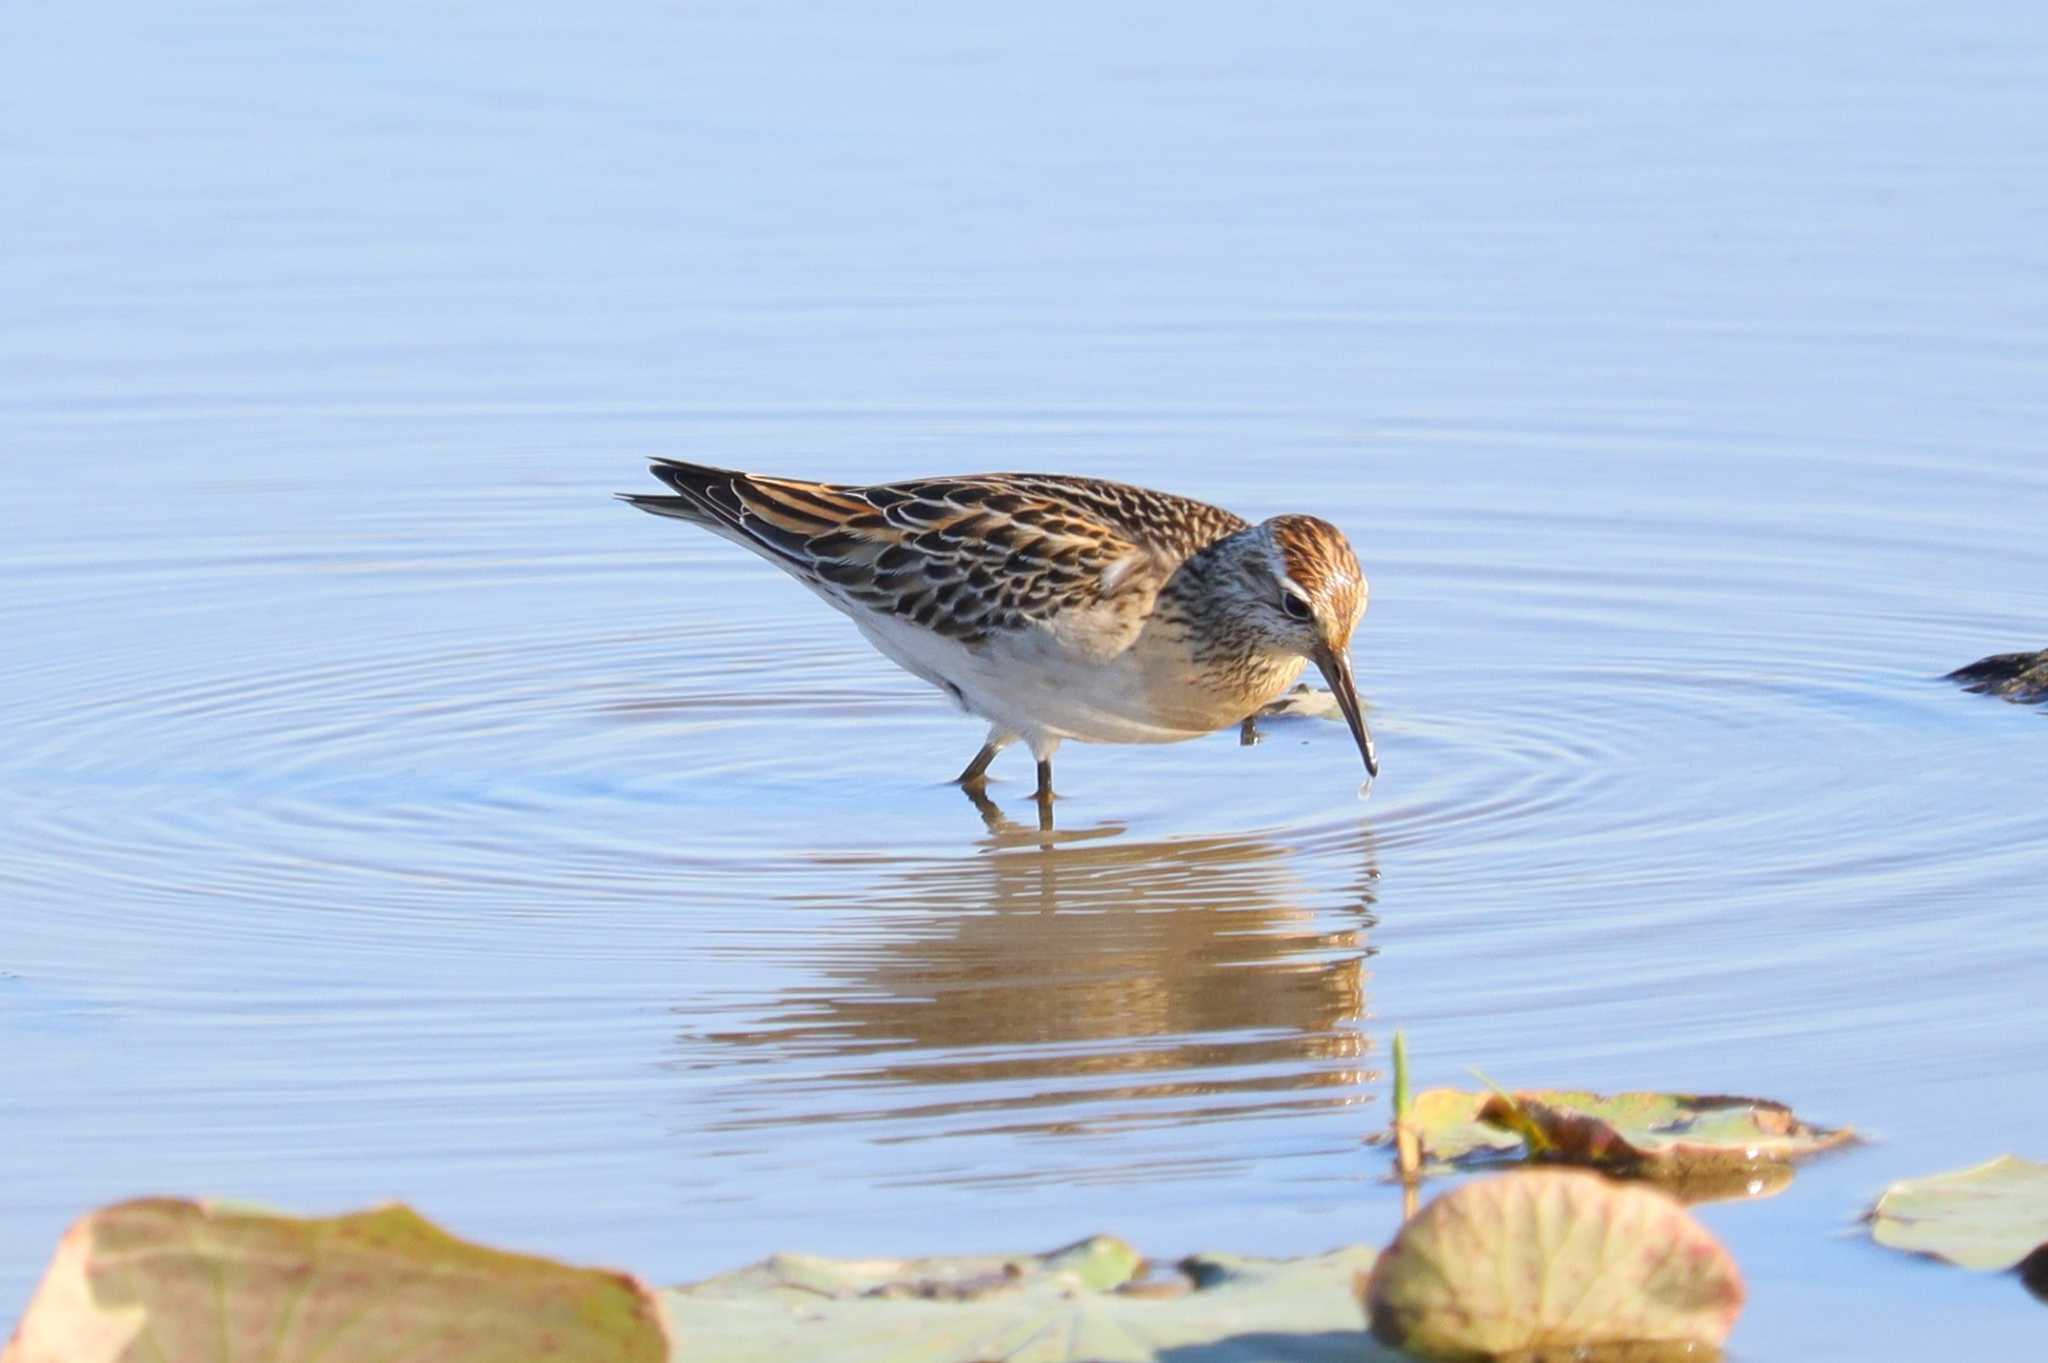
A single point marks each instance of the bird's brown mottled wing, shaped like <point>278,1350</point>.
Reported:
<point>1172,527</point>
<point>963,557</point>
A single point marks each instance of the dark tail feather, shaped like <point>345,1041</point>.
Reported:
<point>775,517</point>
<point>706,493</point>
<point>713,487</point>
<point>679,507</point>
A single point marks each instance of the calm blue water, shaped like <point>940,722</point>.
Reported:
<point>385,812</point>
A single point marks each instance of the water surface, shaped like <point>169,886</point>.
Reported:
<point>385,812</point>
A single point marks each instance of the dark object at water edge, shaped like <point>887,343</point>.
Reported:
<point>2021,677</point>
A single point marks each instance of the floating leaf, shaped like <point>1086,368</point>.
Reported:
<point>2019,677</point>
<point>1523,1264</point>
<point>1638,1131</point>
<point>1101,1263</point>
<point>1990,1217</point>
<point>1447,1121</point>
<point>1082,1303</point>
<point>167,1279</point>
<point>1698,1146</point>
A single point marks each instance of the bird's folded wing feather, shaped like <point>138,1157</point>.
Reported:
<point>964,557</point>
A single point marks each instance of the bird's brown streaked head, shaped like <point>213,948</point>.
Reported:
<point>1315,556</point>
<point>1324,591</point>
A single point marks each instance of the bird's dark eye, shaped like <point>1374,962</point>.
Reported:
<point>1296,605</point>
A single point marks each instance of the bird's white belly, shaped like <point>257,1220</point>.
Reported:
<point>1035,685</point>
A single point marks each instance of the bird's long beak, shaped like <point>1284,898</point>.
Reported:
<point>1336,669</point>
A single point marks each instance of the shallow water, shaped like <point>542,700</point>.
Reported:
<point>385,812</point>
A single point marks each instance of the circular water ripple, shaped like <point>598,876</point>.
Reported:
<point>687,778</point>
<point>416,775</point>
<point>552,758</point>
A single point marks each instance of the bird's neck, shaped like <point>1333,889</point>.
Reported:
<point>1232,662</point>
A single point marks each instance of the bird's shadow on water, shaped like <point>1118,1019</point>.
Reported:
<point>1048,973</point>
<point>1042,831</point>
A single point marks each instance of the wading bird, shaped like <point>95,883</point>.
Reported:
<point>1057,607</point>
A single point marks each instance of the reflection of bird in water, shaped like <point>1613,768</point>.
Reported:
<point>1057,607</point>
<point>1088,970</point>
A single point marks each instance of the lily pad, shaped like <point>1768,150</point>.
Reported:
<point>1086,1302</point>
<point>1660,1128</point>
<point>1698,1146</point>
<point>1447,1123</point>
<point>1991,1217</point>
<point>165,1278</point>
<point>1544,1262</point>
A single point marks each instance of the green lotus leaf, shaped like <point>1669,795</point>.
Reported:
<point>1086,1302</point>
<point>169,1279</point>
<point>1697,1146</point>
<point>1447,1122</point>
<point>1989,1217</point>
<point>1553,1262</point>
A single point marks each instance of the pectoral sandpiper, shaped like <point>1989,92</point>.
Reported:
<point>1057,607</point>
